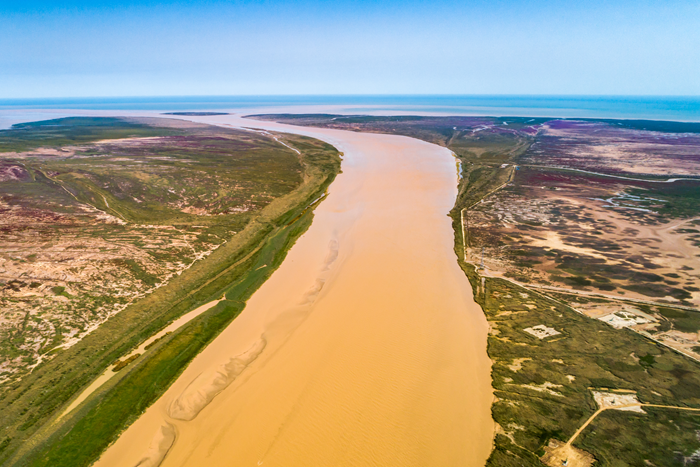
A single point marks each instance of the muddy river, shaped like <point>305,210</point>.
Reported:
<point>365,348</point>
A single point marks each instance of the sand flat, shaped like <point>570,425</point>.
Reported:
<point>375,352</point>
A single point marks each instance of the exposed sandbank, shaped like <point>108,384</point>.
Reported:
<point>159,447</point>
<point>109,372</point>
<point>364,348</point>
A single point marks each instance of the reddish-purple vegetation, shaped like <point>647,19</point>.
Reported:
<point>611,148</point>
<point>11,171</point>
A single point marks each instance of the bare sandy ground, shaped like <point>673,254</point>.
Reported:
<point>364,349</point>
<point>109,372</point>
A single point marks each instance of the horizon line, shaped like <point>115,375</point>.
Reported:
<point>167,96</point>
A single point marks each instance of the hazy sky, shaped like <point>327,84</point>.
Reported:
<point>112,48</point>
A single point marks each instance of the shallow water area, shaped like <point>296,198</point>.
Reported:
<point>364,348</point>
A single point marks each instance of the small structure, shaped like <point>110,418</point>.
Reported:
<point>623,319</point>
<point>558,453</point>
<point>541,331</point>
<point>618,401</point>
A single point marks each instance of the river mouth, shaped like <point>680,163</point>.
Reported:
<point>374,349</point>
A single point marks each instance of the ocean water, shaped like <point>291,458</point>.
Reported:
<point>675,108</point>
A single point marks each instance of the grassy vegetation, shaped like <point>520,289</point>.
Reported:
<point>587,354</point>
<point>79,443</point>
<point>681,198</point>
<point>233,270</point>
<point>74,130</point>
<point>548,395</point>
<point>167,180</point>
<point>592,355</point>
<point>682,320</point>
<point>172,199</point>
<point>99,422</point>
<point>661,437</point>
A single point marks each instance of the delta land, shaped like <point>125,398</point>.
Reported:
<point>581,239</point>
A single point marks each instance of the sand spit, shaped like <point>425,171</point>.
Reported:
<point>375,351</point>
<point>208,385</point>
<point>159,447</point>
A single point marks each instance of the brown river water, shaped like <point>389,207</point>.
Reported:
<point>365,348</point>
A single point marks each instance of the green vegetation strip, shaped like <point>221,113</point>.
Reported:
<point>535,399</point>
<point>29,436</point>
<point>79,444</point>
<point>74,130</point>
<point>120,407</point>
<point>548,394</point>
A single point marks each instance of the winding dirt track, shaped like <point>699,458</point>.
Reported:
<point>364,349</point>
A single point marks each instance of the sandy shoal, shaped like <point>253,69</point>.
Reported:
<point>365,348</point>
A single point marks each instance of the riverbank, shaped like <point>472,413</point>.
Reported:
<point>374,348</point>
<point>548,358</point>
<point>234,270</point>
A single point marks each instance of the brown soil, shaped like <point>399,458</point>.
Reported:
<point>559,454</point>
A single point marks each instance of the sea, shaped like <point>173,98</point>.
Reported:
<point>672,108</point>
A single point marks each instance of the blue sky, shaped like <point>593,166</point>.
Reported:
<point>136,48</point>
